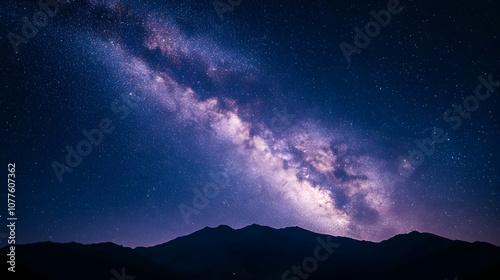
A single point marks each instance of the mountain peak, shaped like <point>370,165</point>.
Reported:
<point>256,228</point>
<point>220,227</point>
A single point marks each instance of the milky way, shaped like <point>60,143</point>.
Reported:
<point>349,196</point>
<point>206,104</point>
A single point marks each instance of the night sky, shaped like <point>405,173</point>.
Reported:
<point>140,121</point>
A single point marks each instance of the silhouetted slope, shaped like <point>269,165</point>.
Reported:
<point>259,252</point>
<point>49,261</point>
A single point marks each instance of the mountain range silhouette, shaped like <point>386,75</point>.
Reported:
<point>263,253</point>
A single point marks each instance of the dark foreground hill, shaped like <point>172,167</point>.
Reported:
<point>261,253</point>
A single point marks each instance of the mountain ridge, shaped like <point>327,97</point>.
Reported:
<point>262,252</point>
